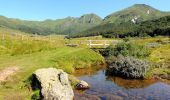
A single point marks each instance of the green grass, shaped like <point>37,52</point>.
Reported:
<point>64,58</point>
<point>34,53</point>
<point>31,54</point>
<point>160,57</point>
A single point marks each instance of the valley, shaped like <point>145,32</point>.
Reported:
<point>124,56</point>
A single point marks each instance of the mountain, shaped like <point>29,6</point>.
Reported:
<point>121,22</point>
<point>155,27</point>
<point>69,25</point>
<point>128,21</point>
<point>135,14</point>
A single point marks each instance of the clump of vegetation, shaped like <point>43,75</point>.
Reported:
<point>127,49</point>
<point>160,59</point>
<point>33,84</point>
<point>123,60</point>
<point>128,67</point>
<point>109,51</point>
<point>73,80</point>
<point>36,95</point>
<point>131,49</point>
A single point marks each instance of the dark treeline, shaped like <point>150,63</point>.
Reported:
<point>152,28</point>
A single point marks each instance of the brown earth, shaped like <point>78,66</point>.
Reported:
<point>7,72</point>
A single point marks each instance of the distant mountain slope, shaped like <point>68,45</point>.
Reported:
<point>160,26</point>
<point>67,25</point>
<point>135,14</point>
<point>127,21</point>
<point>88,24</point>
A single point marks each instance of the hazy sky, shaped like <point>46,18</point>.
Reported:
<point>55,9</point>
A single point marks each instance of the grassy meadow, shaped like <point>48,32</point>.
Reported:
<point>160,54</point>
<point>31,52</point>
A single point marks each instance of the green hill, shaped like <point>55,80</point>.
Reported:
<point>121,22</point>
<point>137,20</point>
<point>136,13</point>
<point>160,26</point>
<point>67,25</point>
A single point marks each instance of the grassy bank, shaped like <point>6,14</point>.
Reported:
<point>64,58</point>
<point>154,51</point>
<point>31,53</point>
<point>160,58</point>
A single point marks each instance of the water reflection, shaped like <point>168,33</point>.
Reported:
<point>109,88</point>
<point>128,84</point>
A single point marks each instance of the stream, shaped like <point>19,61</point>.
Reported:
<point>116,88</point>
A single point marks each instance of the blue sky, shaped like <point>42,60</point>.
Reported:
<point>56,9</point>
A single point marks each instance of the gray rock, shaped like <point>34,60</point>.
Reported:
<point>54,84</point>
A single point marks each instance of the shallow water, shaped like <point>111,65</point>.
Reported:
<point>109,88</point>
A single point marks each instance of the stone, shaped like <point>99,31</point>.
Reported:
<point>82,85</point>
<point>54,84</point>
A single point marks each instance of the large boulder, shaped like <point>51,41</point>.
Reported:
<point>54,84</point>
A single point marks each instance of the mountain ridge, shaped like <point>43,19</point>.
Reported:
<point>73,25</point>
<point>67,25</point>
<point>135,13</point>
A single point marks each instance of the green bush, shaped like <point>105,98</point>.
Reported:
<point>131,49</point>
<point>32,83</point>
<point>36,95</point>
<point>128,67</point>
<point>108,51</point>
<point>127,49</point>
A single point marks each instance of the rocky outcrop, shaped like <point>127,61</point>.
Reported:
<point>54,84</point>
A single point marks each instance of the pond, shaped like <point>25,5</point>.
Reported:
<point>115,88</point>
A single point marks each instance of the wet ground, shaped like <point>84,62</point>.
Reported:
<point>115,88</point>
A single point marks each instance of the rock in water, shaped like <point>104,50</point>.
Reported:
<point>82,85</point>
<point>54,84</point>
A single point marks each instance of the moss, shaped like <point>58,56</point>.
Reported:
<point>73,80</point>
<point>36,95</point>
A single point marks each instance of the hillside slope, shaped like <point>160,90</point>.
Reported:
<point>86,24</point>
<point>136,13</point>
<point>160,26</point>
<point>136,20</point>
<point>67,25</point>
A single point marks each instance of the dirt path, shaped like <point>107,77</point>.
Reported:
<point>4,74</point>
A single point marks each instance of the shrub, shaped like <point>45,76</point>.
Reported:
<point>126,39</point>
<point>108,51</point>
<point>128,67</point>
<point>127,49</point>
<point>33,84</point>
<point>36,95</point>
